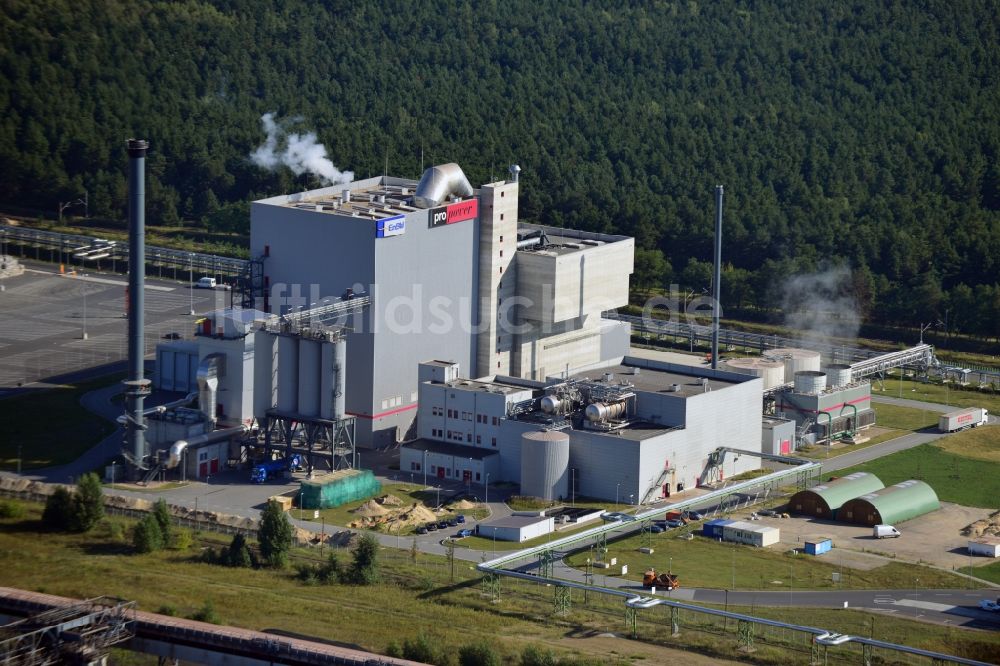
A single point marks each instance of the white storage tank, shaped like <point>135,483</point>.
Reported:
<point>810,382</point>
<point>288,374</point>
<point>545,464</point>
<point>795,359</point>
<point>333,367</point>
<point>838,375</point>
<point>770,370</point>
<point>309,380</point>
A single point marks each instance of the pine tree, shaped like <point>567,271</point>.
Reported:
<point>274,535</point>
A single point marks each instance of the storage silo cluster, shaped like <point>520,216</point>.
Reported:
<point>772,371</point>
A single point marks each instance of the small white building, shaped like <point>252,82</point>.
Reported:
<point>988,546</point>
<point>516,528</point>
<point>755,535</point>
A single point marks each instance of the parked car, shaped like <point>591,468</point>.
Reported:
<point>675,523</point>
<point>987,605</point>
<point>464,532</point>
<point>460,518</point>
<point>205,283</point>
<point>655,529</point>
<point>693,515</point>
<point>611,517</point>
<point>431,527</point>
<point>453,522</point>
<point>421,530</point>
<point>443,525</point>
<point>770,513</point>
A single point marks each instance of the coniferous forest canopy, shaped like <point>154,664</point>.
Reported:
<point>856,133</point>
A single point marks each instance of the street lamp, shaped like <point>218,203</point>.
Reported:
<point>425,468</point>
<point>486,489</point>
<point>573,486</point>
<point>494,543</point>
<point>84,336</point>
<point>617,486</point>
<point>191,282</point>
<point>300,504</point>
<point>112,473</point>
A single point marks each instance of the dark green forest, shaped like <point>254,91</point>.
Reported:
<point>858,133</point>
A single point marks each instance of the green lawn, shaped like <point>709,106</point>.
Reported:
<point>903,418</point>
<point>945,394</point>
<point>702,562</point>
<point>990,572</point>
<point>955,478</point>
<point>50,425</point>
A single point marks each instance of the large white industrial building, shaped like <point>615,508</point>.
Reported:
<point>451,273</point>
<point>634,429</point>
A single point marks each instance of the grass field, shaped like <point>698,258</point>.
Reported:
<point>990,572</point>
<point>419,597</point>
<point>955,477</point>
<point>903,418</point>
<point>945,394</point>
<point>45,441</point>
<point>702,562</point>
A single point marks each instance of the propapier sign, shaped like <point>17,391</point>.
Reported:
<point>456,212</point>
<point>390,226</point>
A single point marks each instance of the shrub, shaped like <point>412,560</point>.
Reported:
<point>536,656</point>
<point>478,654</point>
<point>146,535</point>
<point>11,509</point>
<point>364,570</point>
<point>88,503</point>
<point>58,512</point>
<point>420,649</point>
<point>238,554</point>
<point>167,610</point>
<point>163,518</point>
<point>206,614</point>
<point>274,535</point>
<point>182,540</point>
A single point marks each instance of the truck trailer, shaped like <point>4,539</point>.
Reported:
<point>271,469</point>
<point>970,417</point>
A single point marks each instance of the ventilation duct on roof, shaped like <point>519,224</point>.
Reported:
<point>440,182</point>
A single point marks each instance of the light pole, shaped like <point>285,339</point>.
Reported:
<point>191,282</point>
<point>112,474</point>
<point>439,497</point>
<point>469,485</point>
<point>915,581</point>
<point>300,504</point>
<point>573,486</point>
<point>425,468</point>
<point>494,543</point>
<point>486,490</point>
<point>631,500</point>
<point>617,486</point>
<point>84,335</point>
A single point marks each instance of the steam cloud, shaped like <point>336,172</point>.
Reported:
<point>299,152</point>
<point>822,305</point>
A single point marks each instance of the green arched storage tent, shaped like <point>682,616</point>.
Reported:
<point>891,505</point>
<point>824,500</point>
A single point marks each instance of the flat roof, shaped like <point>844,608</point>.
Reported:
<point>487,387</point>
<point>566,241</point>
<point>515,521</point>
<point>652,380</point>
<point>450,449</point>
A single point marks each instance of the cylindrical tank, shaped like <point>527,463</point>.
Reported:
<point>340,377</point>
<point>838,374</point>
<point>309,377</point>
<point>545,464</point>
<point>810,381</point>
<point>332,368</point>
<point>288,374</point>
<point>265,367</point>
<point>553,404</point>
<point>795,359</point>
<point>770,370</point>
<point>603,411</point>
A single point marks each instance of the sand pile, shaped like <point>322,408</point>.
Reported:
<point>985,527</point>
<point>464,504</point>
<point>371,509</point>
<point>390,500</point>
<point>19,484</point>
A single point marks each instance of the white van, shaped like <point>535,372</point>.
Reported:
<point>205,283</point>
<point>885,532</point>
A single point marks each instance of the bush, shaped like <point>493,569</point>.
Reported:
<point>478,654</point>
<point>182,540</point>
<point>163,518</point>
<point>167,610</point>
<point>238,554</point>
<point>58,512</point>
<point>11,509</point>
<point>88,503</point>
<point>206,614</point>
<point>146,535</point>
<point>364,570</point>
<point>536,656</point>
<point>274,535</point>
<point>420,649</point>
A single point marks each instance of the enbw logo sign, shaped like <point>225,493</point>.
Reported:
<point>390,226</point>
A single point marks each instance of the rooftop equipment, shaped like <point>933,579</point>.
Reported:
<point>440,182</point>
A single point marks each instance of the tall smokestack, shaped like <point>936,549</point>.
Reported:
<point>136,386</point>
<point>717,281</point>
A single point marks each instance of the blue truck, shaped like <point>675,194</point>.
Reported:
<point>270,469</point>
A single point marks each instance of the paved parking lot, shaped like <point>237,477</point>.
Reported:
<point>43,315</point>
<point>934,538</point>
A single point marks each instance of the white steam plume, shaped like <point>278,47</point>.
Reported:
<point>299,152</point>
<point>822,305</point>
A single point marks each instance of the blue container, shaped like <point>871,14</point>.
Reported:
<point>713,528</point>
<point>818,547</point>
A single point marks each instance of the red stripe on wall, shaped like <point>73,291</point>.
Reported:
<point>389,413</point>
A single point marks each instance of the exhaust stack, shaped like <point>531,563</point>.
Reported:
<point>717,281</point>
<point>136,385</point>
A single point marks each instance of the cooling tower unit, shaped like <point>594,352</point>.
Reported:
<point>810,382</point>
<point>795,359</point>
<point>838,375</point>
<point>545,464</point>
<point>771,371</point>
